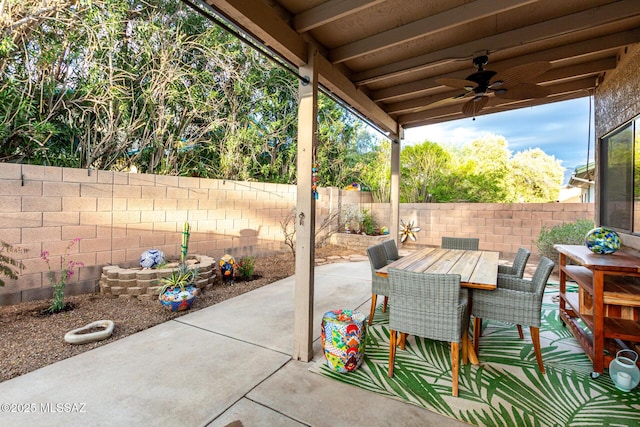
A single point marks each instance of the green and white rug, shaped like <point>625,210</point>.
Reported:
<point>506,389</point>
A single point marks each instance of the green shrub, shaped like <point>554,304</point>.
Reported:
<point>570,233</point>
<point>369,224</point>
<point>245,267</point>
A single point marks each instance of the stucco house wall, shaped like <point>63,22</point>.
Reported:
<point>616,101</point>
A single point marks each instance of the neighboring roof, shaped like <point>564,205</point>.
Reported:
<point>583,176</point>
<point>382,57</point>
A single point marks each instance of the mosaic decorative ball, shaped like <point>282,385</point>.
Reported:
<point>152,258</point>
<point>602,241</point>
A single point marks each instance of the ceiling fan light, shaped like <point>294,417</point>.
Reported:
<point>497,83</point>
<point>501,91</point>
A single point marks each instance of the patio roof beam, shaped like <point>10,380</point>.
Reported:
<point>610,43</point>
<point>340,85</point>
<point>591,68</point>
<point>329,12</point>
<point>265,25</point>
<point>262,22</point>
<point>618,11</point>
<point>415,30</point>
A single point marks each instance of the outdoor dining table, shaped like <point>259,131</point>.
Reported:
<point>477,270</point>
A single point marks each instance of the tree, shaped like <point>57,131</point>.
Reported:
<point>337,154</point>
<point>480,171</point>
<point>535,177</point>
<point>375,171</point>
<point>117,84</point>
<point>424,168</point>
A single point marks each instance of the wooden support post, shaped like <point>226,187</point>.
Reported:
<point>395,186</point>
<point>306,210</point>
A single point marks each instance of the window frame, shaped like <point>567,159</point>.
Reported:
<point>630,194</point>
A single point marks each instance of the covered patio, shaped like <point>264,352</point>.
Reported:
<point>402,63</point>
<point>395,63</point>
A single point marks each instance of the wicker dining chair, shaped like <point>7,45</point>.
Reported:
<point>379,284</point>
<point>432,306</point>
<point>467,243</point>
<point>517,301</point>
<point>517,268</point>
<point>392,250</point>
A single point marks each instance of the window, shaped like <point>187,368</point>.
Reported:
<point>620,178</point>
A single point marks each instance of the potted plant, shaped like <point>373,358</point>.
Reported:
<point>178,291</point>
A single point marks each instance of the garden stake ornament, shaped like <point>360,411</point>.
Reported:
<point>184,247</point>
<point>408,230</point>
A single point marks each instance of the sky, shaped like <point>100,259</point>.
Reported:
<point>560,129</point>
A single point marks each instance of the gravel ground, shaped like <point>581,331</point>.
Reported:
<point>31,339</point>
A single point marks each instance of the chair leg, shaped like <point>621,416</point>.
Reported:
<point>535,337</point>
<point>392,352</point>
<point>384,306</point>
<point>403,340</point>
<point>520,332</point>
<point>374,299</point>
<point>477,326</point>
<point>455,367</point>
<point>465,348</point>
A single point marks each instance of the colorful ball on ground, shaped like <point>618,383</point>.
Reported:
<point>602,241</point>
<point>152,258</point>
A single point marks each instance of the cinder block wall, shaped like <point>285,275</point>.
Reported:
<point>117,216</point>
<point>500,227</point>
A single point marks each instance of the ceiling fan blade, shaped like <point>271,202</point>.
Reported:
<point>523,91</point>
<point>462,95</point>
<point>473,106</point>
<point>457,83</point>
<point>522,73</point>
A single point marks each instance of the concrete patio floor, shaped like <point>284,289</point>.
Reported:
<point>230,361</point>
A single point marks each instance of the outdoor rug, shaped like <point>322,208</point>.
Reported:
<point>506,389</point>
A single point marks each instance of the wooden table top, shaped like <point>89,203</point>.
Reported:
<point>619,261</point>
<point>477,269</point>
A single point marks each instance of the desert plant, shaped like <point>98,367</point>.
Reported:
<point>570,233</point>
<point>181,277</point>
<point>9,267</point>
<point>245,267</point>
<point>63,275</point>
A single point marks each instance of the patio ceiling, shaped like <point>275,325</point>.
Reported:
<point>383,57</point>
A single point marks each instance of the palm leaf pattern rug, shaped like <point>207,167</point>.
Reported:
<point>506,389</point>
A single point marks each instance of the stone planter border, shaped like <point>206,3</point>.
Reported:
<point>144,284</point>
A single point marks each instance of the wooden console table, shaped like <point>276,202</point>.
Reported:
<point>608,301</point>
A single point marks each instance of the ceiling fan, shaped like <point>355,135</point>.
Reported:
<point>513,83</point>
